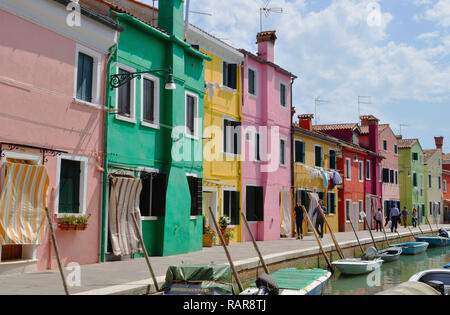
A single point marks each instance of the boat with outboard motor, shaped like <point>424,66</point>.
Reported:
<point>359,266</point>
<point>439,279</point>
<point>390,254</point>
<point>412,248</point>
<point>442,239</point>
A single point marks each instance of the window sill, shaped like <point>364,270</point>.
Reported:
<point>62,215</point>
<point>149,218</point>
<point>227,89</point>
<point>150,125</point>
<point>126,119</point>
<point>90,104</point>
<point>194,217</point>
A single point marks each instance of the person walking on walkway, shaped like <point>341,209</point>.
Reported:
<point>405,217</point>
<point>414,218</point>
<point>379,219</point>
<point>394,215</point>
<point>319,219</point>
<point>298,213</point>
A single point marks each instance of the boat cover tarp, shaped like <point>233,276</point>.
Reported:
<point>411,288</point>
<point>296,279</point>
<point>208,276</point>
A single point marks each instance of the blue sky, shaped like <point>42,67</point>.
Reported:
<point>396,51</point>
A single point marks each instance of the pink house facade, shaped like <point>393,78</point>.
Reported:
<point>266,114</point>
<point>52,83</point>
<point>388,145</point>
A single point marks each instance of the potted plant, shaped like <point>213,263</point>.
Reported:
<point>227,234</point>
<point>209,236</point>
<point>73,222</point>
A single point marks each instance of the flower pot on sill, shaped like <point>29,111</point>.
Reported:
<point>207,240</point>
<point>71,227</point>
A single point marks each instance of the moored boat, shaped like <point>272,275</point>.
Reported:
<point>292,281</point>
<point>389,254</point>
<point>439,279</point>
<point>357,266</point>
<point>447,266</point>
<point>412,248</point>
<point>434,240</point>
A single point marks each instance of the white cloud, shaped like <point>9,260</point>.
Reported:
<point>439,13</point>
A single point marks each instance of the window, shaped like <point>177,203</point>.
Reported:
<point>430,181</point>
<point>439,183</point>
<point>395,149</point>
<point>445,186</point>
<point>231,206</point>
<point>391,176</point>
<point>283,95</point>
<point>196,190</point>
<point>348,210</point>
<point>331,203</point>
<point>152,202</point>
<point>254,203</point>
<point>414,180</point>
<point>229,75</point>
<point>348,168</point>
<point>85,77</point>
<point>258,147</point>
<point>415,156</point>
<point>232,137</point>
<point>125,97</point>
<point>386,175</point>
<point>318,156</point>
<point>299,151</point>
<point>333,163</point>
<point>360,210</point>
<point>385,145</point>
<point>368,171</point>
<point>361,171</point>
<point>380,173</point>
<point>191,115</point>
<point>282,152</point>
<point>252,81</point>
<point>150,101</point>
<point>355,138</point>
<point>71,184</point>
<point>396,177</point>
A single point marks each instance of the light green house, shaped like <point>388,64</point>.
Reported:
<point>411,177</point>
<point>433,185</point>
<point>153,132</point>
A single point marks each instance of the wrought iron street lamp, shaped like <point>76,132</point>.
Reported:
<point>118,80</point>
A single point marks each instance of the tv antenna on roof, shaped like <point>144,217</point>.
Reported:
<point>361,101</point>
<point>188,11</point>
<point>401,126</point>
<point>317,102</point>
<point>266,11</point>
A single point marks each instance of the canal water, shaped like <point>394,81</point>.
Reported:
<point>392,274</point>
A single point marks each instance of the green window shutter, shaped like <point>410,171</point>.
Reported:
<point>318,156</point>
<point>251,82</point>
<point>332,159</point>
<point>225,73</point>
<point>84,77</point>
<point>232,76</point>
<point>69,187</point>
<point>250,204</point>
<point>144,200</point>
<point>259,204</point>
<point>235,208</point>
<point>148,101</point>
<point>124,97</point>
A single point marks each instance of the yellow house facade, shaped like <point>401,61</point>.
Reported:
<point>315,154</point>
<point>221,125</point>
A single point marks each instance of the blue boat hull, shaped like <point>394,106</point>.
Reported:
<point>434,241</point>
<point>412,248</point>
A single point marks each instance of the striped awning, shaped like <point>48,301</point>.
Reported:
<point>22,203</point>
<point>123,203</point>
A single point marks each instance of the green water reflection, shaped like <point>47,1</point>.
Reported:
<point>392,274</point>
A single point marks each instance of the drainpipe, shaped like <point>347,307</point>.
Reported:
<point>292,144</point>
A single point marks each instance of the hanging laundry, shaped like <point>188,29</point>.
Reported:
<point>326,179</point>
<point>337,179</point>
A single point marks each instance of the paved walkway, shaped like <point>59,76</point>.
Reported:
<point>126,276</point>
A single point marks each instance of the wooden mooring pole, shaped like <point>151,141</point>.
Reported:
<point>261,259</point>
<point>336,244</point>
<point>317,239</point>
<point>357,238</point>
<point>147,260</point>
<point>55,247</point>
<point>236,276</point>
<point>370,230</point>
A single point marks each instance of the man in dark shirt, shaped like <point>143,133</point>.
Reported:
<point>298,213</point>
<point>319,219</point>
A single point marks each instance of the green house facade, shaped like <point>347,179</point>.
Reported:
<point>411,178</point>
<point>154,132</point>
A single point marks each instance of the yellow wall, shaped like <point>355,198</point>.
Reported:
<point>302,178</point>
<point>224,103</point>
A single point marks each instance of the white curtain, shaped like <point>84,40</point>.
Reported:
<point>286,222</point>
<point>313,204</point>
<point>123,203</point>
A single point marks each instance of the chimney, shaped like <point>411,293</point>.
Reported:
<point>439,142</point>
<point>372,122</point>
<point>305,121</point>
<point>171,17</point>
<point>266,45</point>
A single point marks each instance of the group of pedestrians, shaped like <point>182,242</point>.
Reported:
<point>298,213</point>
<point>394,218</point>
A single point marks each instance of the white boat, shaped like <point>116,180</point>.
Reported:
<point>439,279</point>
<point>357,266</point>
